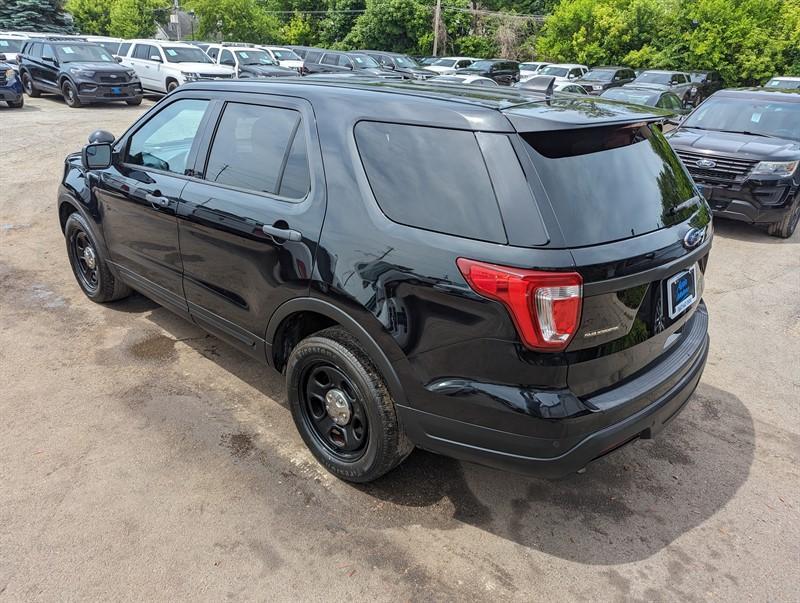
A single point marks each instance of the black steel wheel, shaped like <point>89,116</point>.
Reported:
<point>342,407</point>
<point>70,93</point>
<point>28,85</point>
<point>89,265</point>
<point>333,412</point>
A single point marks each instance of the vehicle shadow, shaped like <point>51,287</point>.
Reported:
<point>626,507</point>
<point>741,231</point>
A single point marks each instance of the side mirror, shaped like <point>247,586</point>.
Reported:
<point>118,59</point>
<point>101,136</point>
<point>96,156</point>
<point>2,57</point>
<point>156,58</point>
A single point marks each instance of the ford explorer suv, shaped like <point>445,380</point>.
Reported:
<point>600,79</point>
<point>506,277</point>
<point>163,66</point>
<point>10,86</point>
<point>742,148</point>
<point>81,72</point>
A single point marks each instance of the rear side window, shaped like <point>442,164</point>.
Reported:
<point>260,149</point>
<point>431,178</point>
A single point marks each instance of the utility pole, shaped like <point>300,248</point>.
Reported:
<point>437,15</point>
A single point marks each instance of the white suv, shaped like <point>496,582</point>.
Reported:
<point>163,66</point>
<point>285,57</point>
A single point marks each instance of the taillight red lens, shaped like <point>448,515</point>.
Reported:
<point>545,306</point>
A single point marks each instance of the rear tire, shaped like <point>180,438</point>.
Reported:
<point>70,93</point>
<point>785,228</point>
<point>369,440</point>
<point>90,267</point>
<point>29,86</point>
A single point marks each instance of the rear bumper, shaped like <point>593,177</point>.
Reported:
<point>636,408</point>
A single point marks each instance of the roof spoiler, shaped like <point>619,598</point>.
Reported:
<point>540,83</point>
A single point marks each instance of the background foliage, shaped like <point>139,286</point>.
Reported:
<point>746,40</point>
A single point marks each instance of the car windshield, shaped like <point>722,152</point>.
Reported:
<point>481,65</point>
<point>748,115</point>
<point>445,62</point>
<point>364,61</point>
<point>111,47</point>
<point>600,75</point>
<point>254,57</point>
<point>83,53</point>
<point>554,71</point>
<point>653,77</point>
<point>638,97</point>
<point>187,54</point>
<point>11,45</point>
<point>529,66</point>
<point>773,83</point>
<point>402,61</point>
<point>285,55</point>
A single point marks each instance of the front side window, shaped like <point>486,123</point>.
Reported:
<point>226,58</point>
<point>164,142</point>
<point>407,168</point>
<point>260,149</point>
<point>330,59</point>
<point>35,51</point>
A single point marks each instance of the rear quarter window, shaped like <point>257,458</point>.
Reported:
<point>430,178</point>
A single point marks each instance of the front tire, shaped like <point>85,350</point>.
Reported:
<point>17,104</point>
<point>70,93</point>
<point>342,408</point>
<point>785,228</point>
<point>89,265</point>
<point>29,86</point>
<point>171,85</point>
<point>134,102</point>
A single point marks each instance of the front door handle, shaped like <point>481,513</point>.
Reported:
<point>282,232</point>
<point>157,200</point>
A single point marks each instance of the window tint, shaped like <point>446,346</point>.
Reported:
<point>164,142</point>
<point>36,51</point>
<point>344,61</point>
<point>47,52</point>
<point>123,49</point>
<point>260,149</point>
<point>140,51</point>
<point>313,56</point>
<point>330,59</point>
<point>212,52</point>
<point>226,58</point>
<point>405,167</point>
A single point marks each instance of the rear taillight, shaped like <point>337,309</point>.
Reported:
<point>545,306</point>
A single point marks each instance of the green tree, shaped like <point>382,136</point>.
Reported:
<point>299,30</point>
<point>394,25</point>
<point>34,15</point>
<point>90,16</point>
<point>136,18</point>
<point>235,20</point>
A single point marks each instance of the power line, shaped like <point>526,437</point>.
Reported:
<point>473,11</point>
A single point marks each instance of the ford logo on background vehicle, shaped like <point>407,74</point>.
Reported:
<point>705,163</point>
<point>694,237</point>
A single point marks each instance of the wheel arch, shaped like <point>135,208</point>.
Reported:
<point>327,314</point>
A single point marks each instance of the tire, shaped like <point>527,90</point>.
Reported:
<point>785,228</point>
<point>134,102</point>
<point>70,93</point>
<point>338,357</point>
<point>171,85</point>
<point>103,287</point>
<point>28,85</point>
<point>18,104</point>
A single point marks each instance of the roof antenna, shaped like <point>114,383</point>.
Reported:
<point>540,83</point>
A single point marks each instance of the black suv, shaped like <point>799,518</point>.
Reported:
<point>321,60</point>
<point>501,71</point>
<point>707,83</point>
<point>743,149</point>
<point>481,275</point>
<point>79,71</point>
<point>400,63</point>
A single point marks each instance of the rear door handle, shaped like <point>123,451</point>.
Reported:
<point>279,232</point>
<point>157,200</point>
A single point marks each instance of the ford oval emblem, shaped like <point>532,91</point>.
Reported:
<point>705,163</point>
<point>694,237</point>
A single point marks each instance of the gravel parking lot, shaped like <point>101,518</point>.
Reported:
<point>141,459</point>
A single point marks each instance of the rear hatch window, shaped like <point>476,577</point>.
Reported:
<point>610,183</point>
